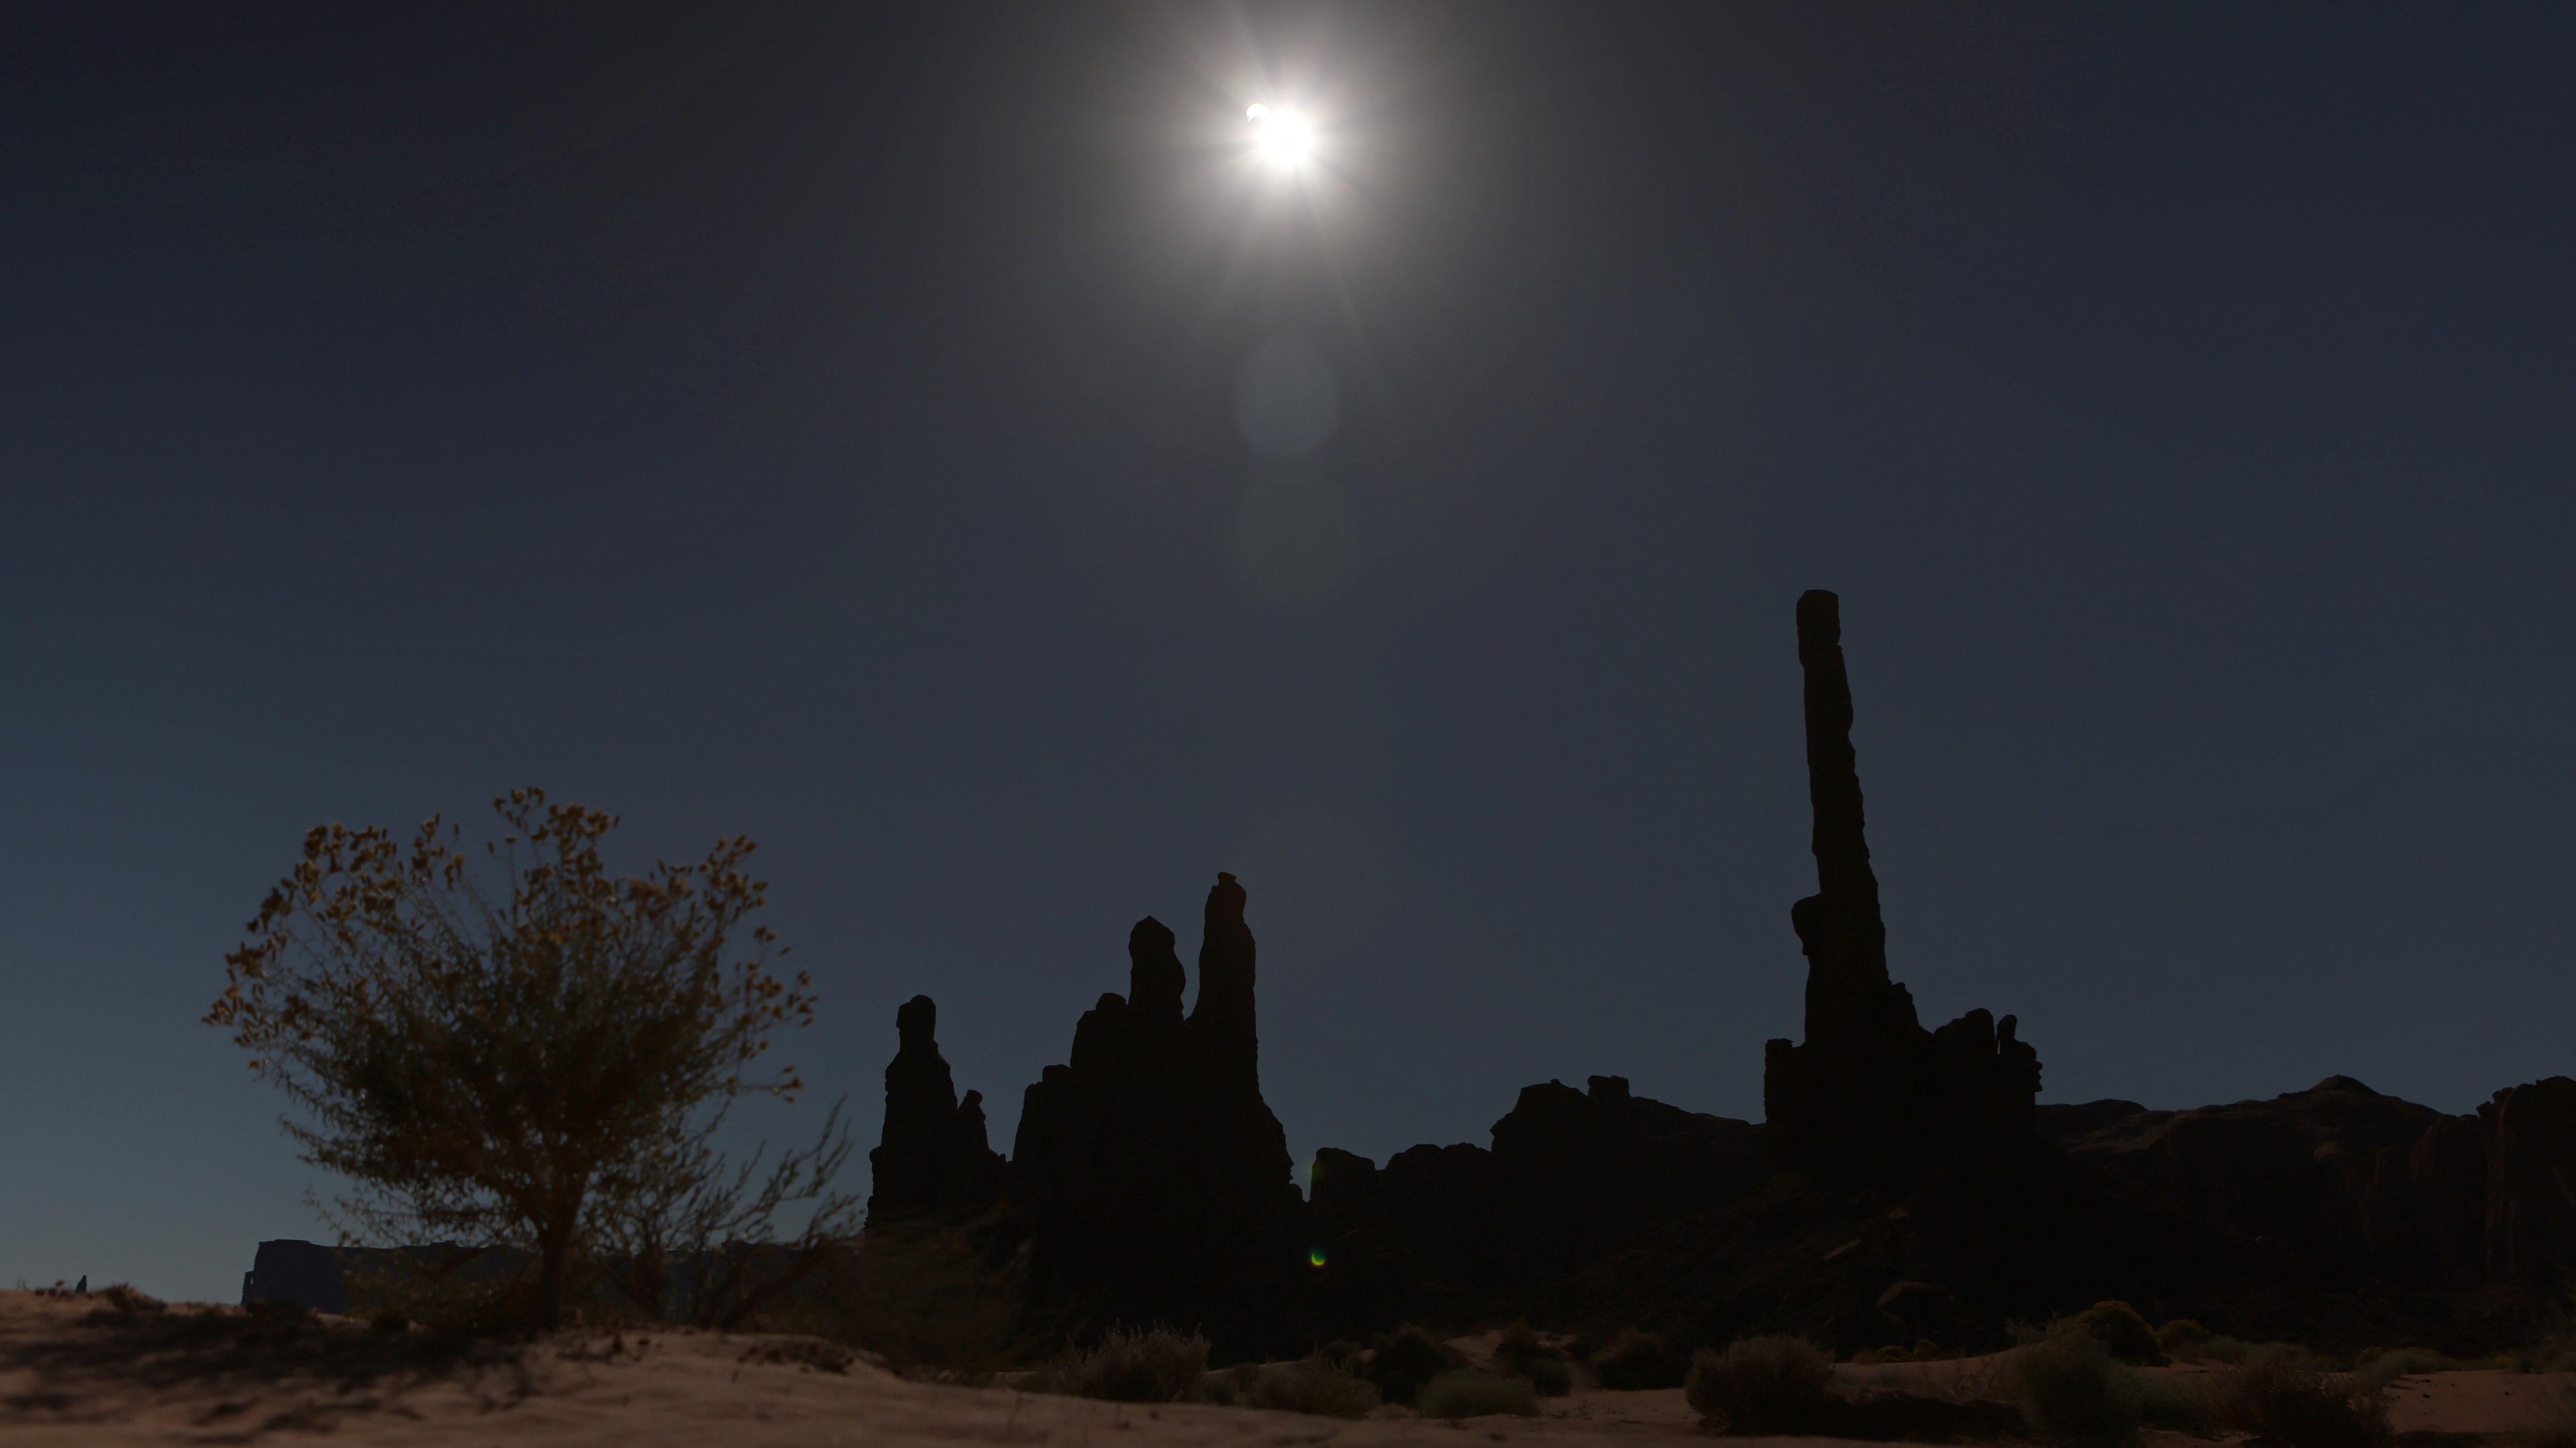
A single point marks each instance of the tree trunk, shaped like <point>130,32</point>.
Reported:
<point>553,1272</point>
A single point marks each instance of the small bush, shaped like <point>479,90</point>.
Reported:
<point>2181,1333</point>
<point>1156,1366</point>
<point>2228,1350</point>
<point>1340,1352</point>
<point>1635,1361</point>
<point>2072,1392</point>
<point>2122,1332</point>
<point>1313,1386</point>
<point>2279,1395</point>
<point>1522,1355</point>
<point>1763,1385</point>
<point>1468,1393</point>
<point>1401,1364</point>
<point>2404,1362</point>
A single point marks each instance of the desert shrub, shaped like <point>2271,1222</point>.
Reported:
<point>1340,1352</point>
<point>1157,1365</point>
<point>1312,1386</point>
<point>1402,1363</point>
<point>2279,1395</point>
<point>1634,1361</point>
<point>1763,1385</point>
<point>1521,1354</point>
<point>2071,1391</point>
<point>2122,1332</point>
<point>513,1046</point>
<point>2403,1362</point>
<point>2181,1333</point>
<point>1469,1393</point>
<point>2227,1350</point>
<point>125,1297</point>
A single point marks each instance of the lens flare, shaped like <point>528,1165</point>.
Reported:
<point>1315,1255</point>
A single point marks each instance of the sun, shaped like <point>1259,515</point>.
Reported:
<point>1282,139</point>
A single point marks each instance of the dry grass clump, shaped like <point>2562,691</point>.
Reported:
<point>1772,1384</point>
<point>1315,1385</point>
<point>2071,1391</point>
<point>1470,1393</point>
<point>2282,1397</point>
<point>1156,1365</point>
<point>1635,1361</point>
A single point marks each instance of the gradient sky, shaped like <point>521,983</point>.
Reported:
<point>919,441</point>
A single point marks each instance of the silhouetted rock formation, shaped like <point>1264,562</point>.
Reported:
<point>2368,1183</point>
<point>1870,1094</point>
<point>304,1273</point>
<point>1153,1178</point>
<point>2530,1138</point>
<point>2330,1171</point>
<point>1572,1175</point>
<point>933,1158</point>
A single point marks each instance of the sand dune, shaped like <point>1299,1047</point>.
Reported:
<point>85,1371</point>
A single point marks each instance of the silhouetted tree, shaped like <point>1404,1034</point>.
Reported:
<point>516,1048</point>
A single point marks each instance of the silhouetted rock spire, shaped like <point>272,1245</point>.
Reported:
<point>933,1158</point>
<point>1153,1178</point>
<point>1870,1092</point>
<point>1223,1019</point>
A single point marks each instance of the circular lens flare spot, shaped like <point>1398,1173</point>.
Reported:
<point>1315,1255</point>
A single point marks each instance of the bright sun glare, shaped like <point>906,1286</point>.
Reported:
<point>1284,140</point>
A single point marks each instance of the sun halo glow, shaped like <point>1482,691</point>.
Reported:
<point>1282,139</point>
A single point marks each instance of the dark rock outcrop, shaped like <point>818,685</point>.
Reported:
<point>1572,1175</point>
<point>1870,1094</point>
<point>304,1273</point>
<point>1151,1176</point>
<point>2530,1218</point>
<point>933,1159</point>
<point>2376,1186</point>
<point>2338,1171</point>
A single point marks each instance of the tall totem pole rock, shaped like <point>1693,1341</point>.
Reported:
<point>933,1159</point>
<point>1871,1095</point>
<point>1153,1178</point>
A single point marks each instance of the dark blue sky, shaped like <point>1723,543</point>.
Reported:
<point>840,426</point>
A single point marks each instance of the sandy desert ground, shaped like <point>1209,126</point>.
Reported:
<point>80,1371</point>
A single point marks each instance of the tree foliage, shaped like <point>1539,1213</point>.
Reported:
<point>512,1046</point>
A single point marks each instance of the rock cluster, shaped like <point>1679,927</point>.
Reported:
<point>1152,1177</point>
<point>933,1159</point>
<point>1870,1094</point>
<point>1572,1175</point>
<point>2365,1181</point>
